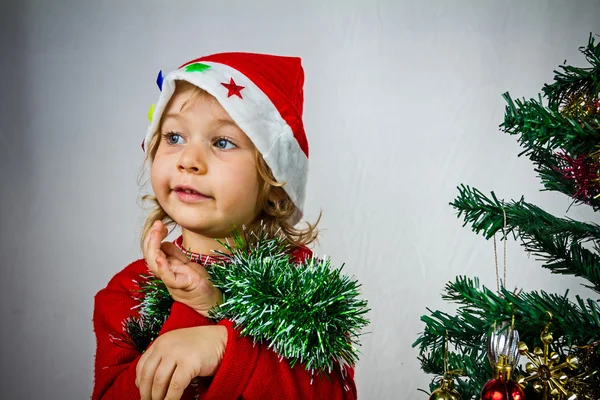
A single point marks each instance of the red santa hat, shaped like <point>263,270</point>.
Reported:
<point>263,94</point>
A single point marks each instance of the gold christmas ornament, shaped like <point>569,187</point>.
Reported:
<point>596,153</point>
<point>545,371</point>
<point>580,105</point>
<point>586,382</point>
<point>446,391</point>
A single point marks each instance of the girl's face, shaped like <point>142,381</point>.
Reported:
<point>202,150</point>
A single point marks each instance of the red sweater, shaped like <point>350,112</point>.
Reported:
<point>248,371</point>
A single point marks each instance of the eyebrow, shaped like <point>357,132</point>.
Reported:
<point>219,121</point>
<point>224,122</point>
<point>171,115</point>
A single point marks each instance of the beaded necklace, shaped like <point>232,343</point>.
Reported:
<point>198,258</point>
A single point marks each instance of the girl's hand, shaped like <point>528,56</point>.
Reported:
<point>175,358</point>
<point>187,282</point>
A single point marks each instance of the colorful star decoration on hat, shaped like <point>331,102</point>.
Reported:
<point>233,88</point>
<point>159,80</point>
<point>196,67</point>
<point>150,112</point>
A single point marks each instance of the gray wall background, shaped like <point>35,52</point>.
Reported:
<point>403,103</point>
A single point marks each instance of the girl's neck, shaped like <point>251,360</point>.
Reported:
<point>199,244</point>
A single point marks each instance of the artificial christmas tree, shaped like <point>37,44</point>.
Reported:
<point>560,133</point>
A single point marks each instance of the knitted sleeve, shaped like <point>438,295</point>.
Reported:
<point>115,362</point>
<point>252,371</point>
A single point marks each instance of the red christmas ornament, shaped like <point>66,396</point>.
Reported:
<point>233,88</point>
<point>502,389</point>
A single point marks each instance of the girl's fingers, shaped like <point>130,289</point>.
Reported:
<point>179,381</point>
<point>153,228</point>
<point>163,270</point>
<point>199,269</point>
<point>163,229</point>
<point>140,366</point>
<point>146,240</point>
<point>175,275</point>
<point>147,377</point>
<point>162,232</point>
<point>173,251</point>
<point>170,278</point>
<point>153,249</point>
<point>162,379</point>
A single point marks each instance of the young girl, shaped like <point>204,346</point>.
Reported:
<point>227,149</point>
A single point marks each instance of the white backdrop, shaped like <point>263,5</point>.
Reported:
<point>403,103</point>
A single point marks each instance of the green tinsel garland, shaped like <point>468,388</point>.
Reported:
<point>308,313</point>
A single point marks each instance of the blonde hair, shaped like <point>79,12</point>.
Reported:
<point>275,208</point>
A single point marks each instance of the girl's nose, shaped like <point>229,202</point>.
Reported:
<point>192,160</point>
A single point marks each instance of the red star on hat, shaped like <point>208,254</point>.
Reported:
<point>233,88</point>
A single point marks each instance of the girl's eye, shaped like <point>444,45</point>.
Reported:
<point>224,144</point>
<point>172,137</point>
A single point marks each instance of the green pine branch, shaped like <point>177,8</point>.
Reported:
<point>572,324</point>
<point>562,256</point>
<point>549,167</point>
<point>577,322</point>
<point>574,81</point>
<point>486,216</point>
<point>543,131</point>
<point>540,127</point>
<point>558,242</point>
<point>471,365</point>
<point>546,128</point>
<point>480,308</point>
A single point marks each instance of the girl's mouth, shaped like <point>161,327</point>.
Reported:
<point>190,196</point>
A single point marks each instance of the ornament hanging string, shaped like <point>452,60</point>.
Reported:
<point>449,373</point>
<point>446,355</point>
<point>496,254</point>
